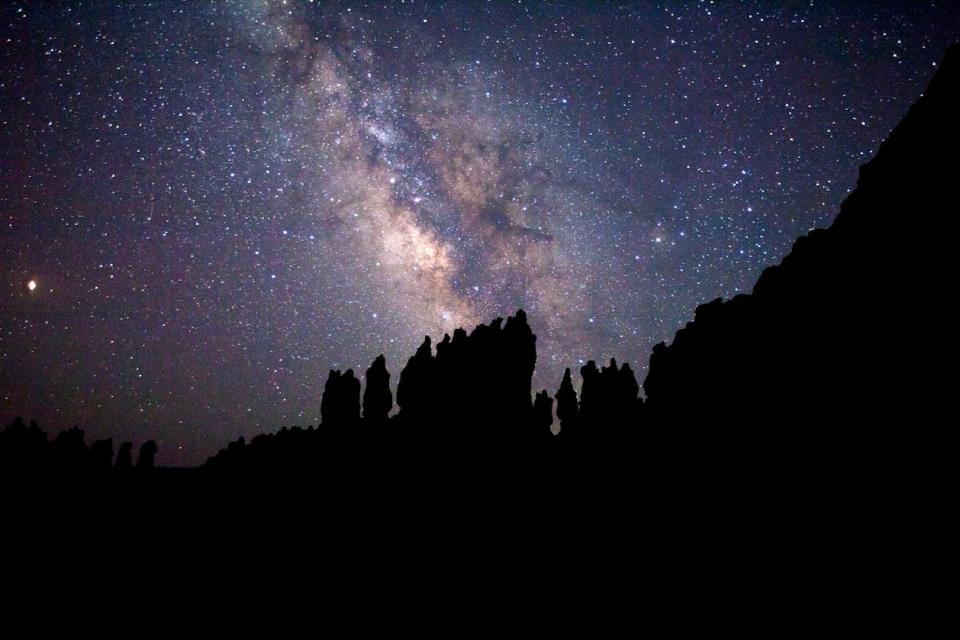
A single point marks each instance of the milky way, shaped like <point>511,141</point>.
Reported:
<point>216,203</point>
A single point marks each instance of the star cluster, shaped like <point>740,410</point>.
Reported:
<point>207,206</point>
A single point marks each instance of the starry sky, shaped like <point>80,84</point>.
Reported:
<point>205,206</point>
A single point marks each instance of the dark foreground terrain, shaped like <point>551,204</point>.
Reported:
<point>802,426</point>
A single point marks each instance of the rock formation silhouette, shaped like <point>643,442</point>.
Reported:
<point>476,390</point>
<point>124,456</point>
<point>26,451</point>
<point>568,407</point>
<point>792,439</point>
<point>147,456</point>
<point>377,397</point>
<point>817,365</point>
<point>827,356</point>
<point>340,405</point>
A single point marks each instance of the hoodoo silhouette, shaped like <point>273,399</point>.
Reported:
<point>340,405</point>
<point>377,397</point>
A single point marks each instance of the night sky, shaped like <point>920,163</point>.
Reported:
<point>205,206</point>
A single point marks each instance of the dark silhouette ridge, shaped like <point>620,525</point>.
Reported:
<point>476,390</point>
<point>789,449</point>
<point>26,451</point>
<point>762,386</point>
<point>827,355</point>
<point>465,406</point>
<point>608,397</point>
<point>413,387</point>
<point>819,365</point>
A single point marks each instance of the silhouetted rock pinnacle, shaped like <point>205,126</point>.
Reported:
<point>377,397</point>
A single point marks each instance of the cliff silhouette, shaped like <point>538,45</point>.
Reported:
<point>839,349</point>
